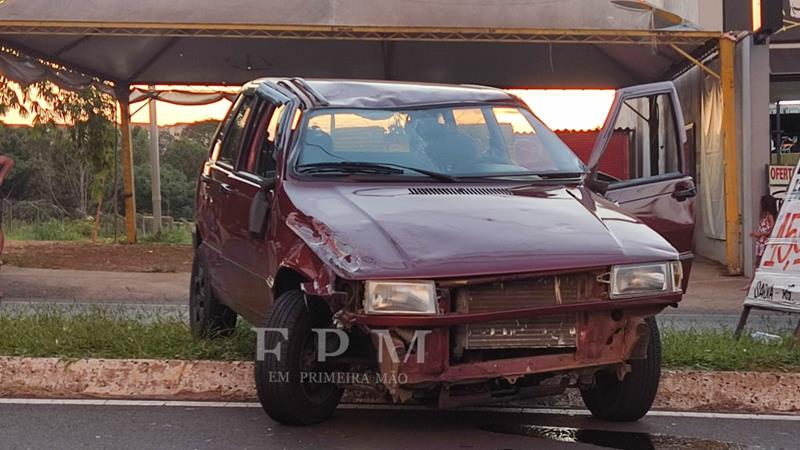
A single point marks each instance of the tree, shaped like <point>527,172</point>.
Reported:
<point>12,98</point>
<point>91,136</point>
<point>186,155</point>
<point>201,132</point>
<point>79,125</point>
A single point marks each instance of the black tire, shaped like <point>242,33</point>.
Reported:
<point>289,400</point>
<point>628,400</point>
<point>208,317</point>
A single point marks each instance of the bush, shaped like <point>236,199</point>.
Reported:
<point>177,235</point>
<point>51,230</point>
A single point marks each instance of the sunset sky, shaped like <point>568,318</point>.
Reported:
<point>559,109</point>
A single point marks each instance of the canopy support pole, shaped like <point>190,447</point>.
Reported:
<point>155,164</point>
<point>123,97</point>
<point>730,151</point>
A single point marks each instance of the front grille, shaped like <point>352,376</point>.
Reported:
<point>552,331</point>
<point>541,332</point>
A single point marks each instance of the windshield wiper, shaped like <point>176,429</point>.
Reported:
<point>370,168</point>
<point>530,176</point>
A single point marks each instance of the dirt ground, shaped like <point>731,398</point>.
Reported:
<point>81,255</point>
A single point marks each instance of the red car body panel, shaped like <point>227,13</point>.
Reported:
<point>384,232</point>
<point>323,231</point>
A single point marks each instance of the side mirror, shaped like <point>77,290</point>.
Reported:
<point>595,185</point>
<point>268,183</point>
<point>259,209</point>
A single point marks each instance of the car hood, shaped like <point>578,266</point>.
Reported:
<point>440,231</point>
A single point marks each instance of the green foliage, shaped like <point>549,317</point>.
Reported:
<point>718,350</point>
<point>13,98</point>
<point>69,229</point>
<point>71,167</point>
<point>185,155</point>
<point>107,333</point>
<point>177,235</point>
<point>181,159</point>
<point>51,230</point>
<point>90,136</point>
<point>68,157</point>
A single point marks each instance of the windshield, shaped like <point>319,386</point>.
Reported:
<point>460,141</point>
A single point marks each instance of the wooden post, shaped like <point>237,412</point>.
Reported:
<point>733,226</point>
<point>123,97</point>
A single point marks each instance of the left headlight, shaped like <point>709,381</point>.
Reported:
<point>400,297</point>
<point>646,279</point>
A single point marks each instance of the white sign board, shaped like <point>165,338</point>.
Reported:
<point>776,284</point>
<point>780,175</point>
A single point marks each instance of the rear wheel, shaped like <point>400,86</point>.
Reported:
<point>208,318</point>
<point>288,384</point>
<point>630,399</point>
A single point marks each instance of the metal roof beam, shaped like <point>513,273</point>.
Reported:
<point>251,31</point>
<point>695,61</point>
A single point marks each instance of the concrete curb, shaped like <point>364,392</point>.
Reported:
<point>233,381</point>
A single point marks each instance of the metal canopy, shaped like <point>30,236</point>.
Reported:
<point>504,43</point>
<point>497,42</point>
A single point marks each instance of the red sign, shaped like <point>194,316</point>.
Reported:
<point>780,175</point>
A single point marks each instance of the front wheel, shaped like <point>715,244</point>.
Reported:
<point>291,384</point>
<point>630,399</point>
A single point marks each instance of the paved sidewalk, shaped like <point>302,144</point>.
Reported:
<point>711,291</point>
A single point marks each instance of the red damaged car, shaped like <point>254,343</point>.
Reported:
<point>438,244</point>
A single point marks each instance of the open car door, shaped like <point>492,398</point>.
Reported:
<point>639,162</point>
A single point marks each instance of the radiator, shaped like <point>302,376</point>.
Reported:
<point>552,331</point>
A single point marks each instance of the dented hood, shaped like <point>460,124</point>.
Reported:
<point>366,231</point>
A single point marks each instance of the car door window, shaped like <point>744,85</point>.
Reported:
<point>228,152</point>
<point>261,153</point>
<point>643,144</point>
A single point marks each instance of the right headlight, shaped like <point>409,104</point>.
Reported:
<point>400,297</point>
<point>637,280</point>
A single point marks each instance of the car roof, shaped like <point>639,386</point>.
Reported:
<point>382,94</point>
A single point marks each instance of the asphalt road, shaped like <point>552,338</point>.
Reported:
<point>60,426</point>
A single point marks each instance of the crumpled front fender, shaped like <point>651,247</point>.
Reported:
<point>307,260</point>
<point>336,254</point>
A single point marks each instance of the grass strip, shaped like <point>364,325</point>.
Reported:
<point>99,332</point>
<point>104,333</point>
<point>718,350</point>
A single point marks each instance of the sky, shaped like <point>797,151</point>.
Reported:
<point>560,109</point>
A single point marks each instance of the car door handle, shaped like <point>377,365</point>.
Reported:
<point>227,189</point>
<point>682,193</point>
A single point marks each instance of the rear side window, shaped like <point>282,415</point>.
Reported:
<point>234,135</point>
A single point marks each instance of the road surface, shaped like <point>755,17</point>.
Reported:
<point>241,426</point>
